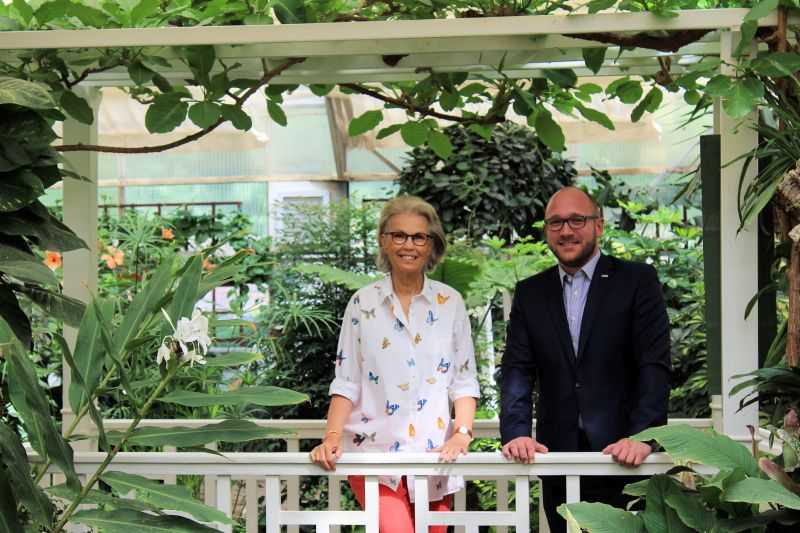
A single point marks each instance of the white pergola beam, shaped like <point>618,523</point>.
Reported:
<point>370,34</point>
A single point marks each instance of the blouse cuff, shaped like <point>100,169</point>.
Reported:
<point>467,390</point>
<point>348,389</point>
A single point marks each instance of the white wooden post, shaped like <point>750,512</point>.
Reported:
<point>223,502</point>
<point>210,482</point>
<point>502,500</point>
<point>421,504</point>
<point>371,506</point>
<point>80,266</point>
<point>739,252</point>
<point>272,501</point>
<point>293,486</point>
<point>573,489</point>
<point>251,505</point>
<point>523,513</point>
<point>335,498</point>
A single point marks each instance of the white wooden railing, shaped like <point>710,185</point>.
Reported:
<point>272,468</point>
<point>255,469</point>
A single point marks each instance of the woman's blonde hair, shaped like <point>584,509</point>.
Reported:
<point>417,206</point>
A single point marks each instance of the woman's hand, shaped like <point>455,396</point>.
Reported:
<point>326,454</point>
<point>456,445</point>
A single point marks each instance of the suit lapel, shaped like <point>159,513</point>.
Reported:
<point>597,295</point>
<point>555,301</point>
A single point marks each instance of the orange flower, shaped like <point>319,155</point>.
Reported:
<point>113,258</point>
<point>167,234</point>
<point>208,265</point>
<point>52,259</point>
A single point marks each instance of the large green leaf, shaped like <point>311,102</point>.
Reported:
<point>19,189</point>
<point>9,520</point>
<point>185,297</point>
<point>564,78</point>
<point>743,97</point>
<point>595,116</point>
<point>184,437</point>
<point>457,273</point>
<point>25,93</point>
<point>36,222</point>
<point>276,113</point>
<point>761,491</point>
<point>233,359</point>
<point>201,60</point>
<point>600,518</point>
<point>265,396</point>
<point>414,133</point>
<point>170,497</point>
<point>77,107</point>
<point>31,403</point>
<point>17,470</point>
<point>440,144</point>
<point>89,352</point>
<point>56,305</point>
<point>549,131</point>
<point>761,10</point>
<point>100,498</point>
<point>126,520</point>
<point>685,443</point>
<point>145,303</point>
<point>204,114</point>
<point>594,57</point>
<point>365,122</point>
<point>166,113</point>
<point>15,317</point>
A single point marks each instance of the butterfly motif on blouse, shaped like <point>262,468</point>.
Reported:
<point>356,300</point>
<point>364,419</point>
<point>398,326</point>
<point>411,362</point>
<point>441,298</point>
<point>464,367</point>
<point>391,408</point>
<point>431,318</point>
<point>443,366</point>
<point>373,377</point>
<point>439,485</point>
<point>403,386</point>
<point>421,403</point>
<point>354,321</point>
<point>368,313</point>
<point>431,380</point>
<point>439,422</point>
<point>430,445</point>
<point>340,357</point>
<point>411,431</point>
<point>395,447</point>
<point>359,438</point>
<point>385,344</point>
<point>418,339</point>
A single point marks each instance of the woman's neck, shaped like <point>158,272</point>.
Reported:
<point>407,284</point>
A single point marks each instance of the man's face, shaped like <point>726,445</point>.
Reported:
<point>576,241</point>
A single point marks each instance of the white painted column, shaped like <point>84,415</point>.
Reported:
<point>739,251</point>
<point>80,214</point>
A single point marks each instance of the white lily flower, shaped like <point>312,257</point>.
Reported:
<point>194,330</point>
<point>164,354</point>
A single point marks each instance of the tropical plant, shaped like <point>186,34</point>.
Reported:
<point>496,184</point>
<point>730,500</point>
<point>28,166</point>
<point>160,327</point>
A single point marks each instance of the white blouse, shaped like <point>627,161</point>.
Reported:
<point>401,374</point>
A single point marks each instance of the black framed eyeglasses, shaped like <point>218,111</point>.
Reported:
<point>400,237</point>
<point>574,222</point>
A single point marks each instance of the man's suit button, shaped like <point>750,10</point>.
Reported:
<point>577,385</point>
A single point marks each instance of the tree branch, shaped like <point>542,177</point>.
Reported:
<point>265,79</point>
<point>671,42</point>
<point>424,111</point>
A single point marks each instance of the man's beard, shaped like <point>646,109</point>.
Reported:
<point>586,253</point>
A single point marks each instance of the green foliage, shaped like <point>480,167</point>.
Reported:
<point>488,187</point>
<point>28,165</point>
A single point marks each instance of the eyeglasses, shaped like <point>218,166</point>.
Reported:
<point>575,222</point>
<point>400,237</point>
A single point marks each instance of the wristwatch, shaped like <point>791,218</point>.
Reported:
<point>464,430</point>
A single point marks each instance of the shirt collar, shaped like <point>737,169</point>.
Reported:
<point>587,269</point>
<point>386,291</point>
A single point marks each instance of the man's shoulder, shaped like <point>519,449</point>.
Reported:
<point>538,280</point>
<point>631,268</point>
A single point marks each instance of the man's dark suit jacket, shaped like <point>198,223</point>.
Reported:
<point>619,381</point>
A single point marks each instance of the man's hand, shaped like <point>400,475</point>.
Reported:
<point>523,449</point>
<point>628,452</point>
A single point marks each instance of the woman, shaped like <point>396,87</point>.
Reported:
<point>405,354</point>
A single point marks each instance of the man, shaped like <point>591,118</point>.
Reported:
<point>593,331</point>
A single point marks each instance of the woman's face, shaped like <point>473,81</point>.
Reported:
<point>401,241</point>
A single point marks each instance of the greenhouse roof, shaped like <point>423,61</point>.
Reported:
<point>382,51</point>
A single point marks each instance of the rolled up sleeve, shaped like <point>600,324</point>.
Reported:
<point>347,376</point>
<point>465,380</point>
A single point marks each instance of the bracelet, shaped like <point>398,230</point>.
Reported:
<point>332,432</point>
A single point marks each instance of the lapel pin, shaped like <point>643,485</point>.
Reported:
<point>603,275</point>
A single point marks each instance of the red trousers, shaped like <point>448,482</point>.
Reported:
<point>396,513</point>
